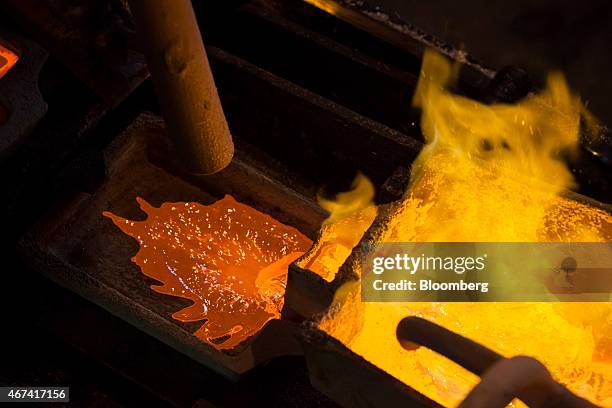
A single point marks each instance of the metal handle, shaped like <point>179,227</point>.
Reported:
<point>184,83</point>
<point>502,379</point>
<point>453,346</point>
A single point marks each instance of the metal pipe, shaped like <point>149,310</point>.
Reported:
<point>177,60</point>
<point>467,353</point>
<point>524,378</point>
<point>502,379</point>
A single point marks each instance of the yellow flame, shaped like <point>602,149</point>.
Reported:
<point>351,213</point>
<point>346,204</point>
<point>517,142</point>
<point>325,5</point>
<point>489,173</point>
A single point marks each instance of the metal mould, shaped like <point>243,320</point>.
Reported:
<point>95,261</point>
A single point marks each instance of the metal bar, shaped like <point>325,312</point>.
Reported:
<point>184,83</point>
<point>502,379</point>
<point>467,353</point>
<point>524,378</point>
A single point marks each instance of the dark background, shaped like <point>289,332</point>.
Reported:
<point>572,36</point>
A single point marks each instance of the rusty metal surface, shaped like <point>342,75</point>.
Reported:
<point>81,250</point>
<point>94,39</point>
<point>19,93</point>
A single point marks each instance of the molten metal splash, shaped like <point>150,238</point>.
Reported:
<point>7,60</point>
<point>227,258</point>
<point>487,173</point>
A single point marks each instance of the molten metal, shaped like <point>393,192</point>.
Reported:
<point>227,258</point>
<point>7,60</point>
<point>487,173</point>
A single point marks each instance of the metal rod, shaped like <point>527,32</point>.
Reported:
<point>184,83</point>
<point>461,350</point>
<point>502,379</point>
<point>524,378</point>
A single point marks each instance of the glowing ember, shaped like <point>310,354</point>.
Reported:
<point>488,173</point>
<point>7,60</point>
<point>227,258</point>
